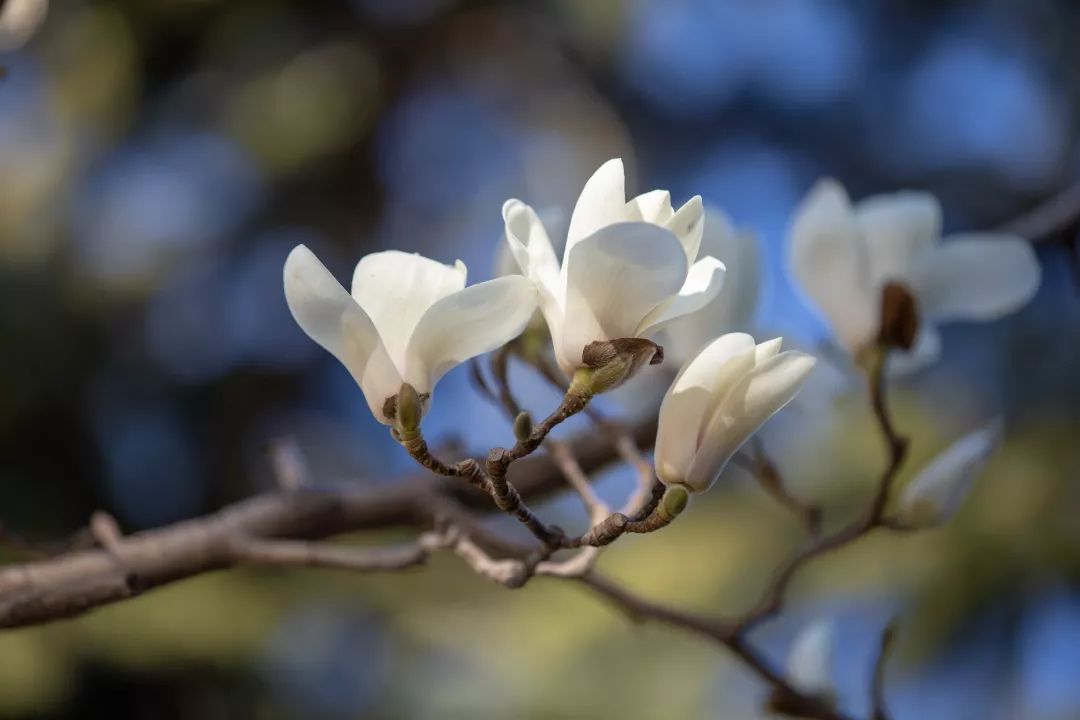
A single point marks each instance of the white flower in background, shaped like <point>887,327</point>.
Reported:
<point>733,308</point>
<point>810,660</point>
<point>19,20</point>
<point>843,256</point>
<point>719,399</point>
<point>409,319</point>
<point>938,491</point>
<point>628,268</point>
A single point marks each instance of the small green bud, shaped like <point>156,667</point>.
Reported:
<point>523,425</point>
<point>408,412</point>
<point>608,364</point>
<point>674,501</point>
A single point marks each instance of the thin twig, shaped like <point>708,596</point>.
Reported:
<point>771,480</point>
<point>872,518</point>
<point>639,609</point>
<point>1056,216</point>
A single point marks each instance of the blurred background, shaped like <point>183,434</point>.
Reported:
<point>160,158</point>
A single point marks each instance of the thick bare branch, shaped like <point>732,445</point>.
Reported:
<point>71,583</point>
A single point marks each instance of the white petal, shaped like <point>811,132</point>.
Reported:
<point>331,317</point>
<point>396,288</point>
<point>976,277</point>
<point>810,661</point>
<point>767,350</point>
<point>602,202</point>
<point>829,262</point>
<point>19,20</point>
<point>651,207</point>
<point>938,491</point>
<point>688,224</point>
<point>748,404</point>
<point>531,246</point>
<point>733,308</point>
<point>615,278</point>
<point>703,284</point>
<point>468,323</point>
<point>690,400</point>
<point>895,228</point>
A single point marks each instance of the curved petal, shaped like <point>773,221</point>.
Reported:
<point>810,660</point>
<point>602,202</point>
<point>767,350</point>
<point>531,246</point>
<point>733,308</point>
<point>396,288</point>
<point>19,20</point>
<point>331,317</point>
<point>703,284</point>
<point>829,262</point>
<point>748,404</point>
<point>976,277</point>
<point>651,207</point>
<point>938,491</point>
<point>688,224</point>
<point>691,398</point>
<point>895,228</point>
<point>468,323</point>
<point>615,278</point>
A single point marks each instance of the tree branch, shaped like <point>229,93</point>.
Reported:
<point>69,584</point>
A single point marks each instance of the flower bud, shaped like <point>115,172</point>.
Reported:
<point>523,426</point>
<point>938,491</point>
<point>674,501</point>
<point>608,364</point>
<point>899,322</point>
<point>810,660</point>
<point>408,411</point>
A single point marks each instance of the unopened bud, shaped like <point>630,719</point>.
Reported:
<point>523,426</point>
<point>936,494</point>
<point>674,501</point>
<point>608,364</point>
<point>408,411</point>
<point>899,317</point>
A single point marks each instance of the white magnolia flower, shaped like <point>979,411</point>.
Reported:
<point>628,269</point>
<point>19,20</point>
<point>810,660</point>
<point>733,308</point>
<point>938,491</point>
<point>409,319</point>
<point>718,400</point>
<point>843,255</point>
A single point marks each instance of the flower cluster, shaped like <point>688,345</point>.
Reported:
<point>631,273</point>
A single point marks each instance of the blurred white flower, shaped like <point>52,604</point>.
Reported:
<point>733,308</point>
<point>628,269</point>
<point>19,20</point>
<point>718,400</point>
<point>843,256</point>
<point>810,660</point>
<point>938,491</point>
<point>409,319</point>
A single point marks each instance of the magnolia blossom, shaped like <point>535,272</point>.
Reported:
<point>844,255</point>
<point>720,398</point>
<point>810,660</point>
<point>628,268</point>
<point>733,308</point>
<point>409,319</point>
<point>938,491</point>
<point>19,20</point>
